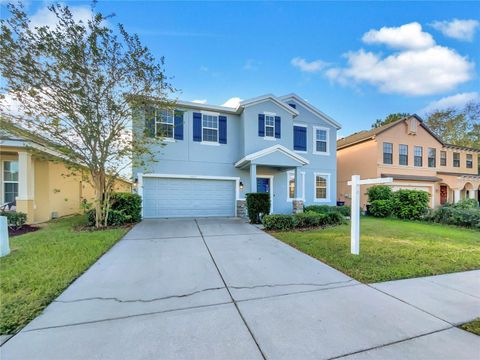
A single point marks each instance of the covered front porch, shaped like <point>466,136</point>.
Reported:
<point>265,165</point>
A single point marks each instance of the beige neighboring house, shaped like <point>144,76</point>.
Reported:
<point>38,185</point>
<point>409,152</point>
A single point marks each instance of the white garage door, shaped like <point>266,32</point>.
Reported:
<point>173,197</point>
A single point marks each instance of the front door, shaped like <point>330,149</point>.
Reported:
<point>263,186</point>
<point>443,194</point>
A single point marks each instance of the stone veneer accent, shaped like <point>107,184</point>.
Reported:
<point>242,209</point>
<point>297,206</point>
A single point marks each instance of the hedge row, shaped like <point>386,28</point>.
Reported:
<point>465,213</point>
<point>303,220</point>
<point>324,209</point>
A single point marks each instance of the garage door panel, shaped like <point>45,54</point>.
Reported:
<point>170,197</point>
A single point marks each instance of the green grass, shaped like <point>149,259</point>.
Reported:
<point>472,326</point>
<point>43,263</point>
<point>391,249</point>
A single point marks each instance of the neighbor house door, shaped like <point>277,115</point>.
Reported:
<point>443,194</point>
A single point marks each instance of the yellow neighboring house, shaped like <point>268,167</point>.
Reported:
<point>38,185</point>
<point>409,152</point>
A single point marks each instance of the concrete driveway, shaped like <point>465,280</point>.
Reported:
<point>223,289</point>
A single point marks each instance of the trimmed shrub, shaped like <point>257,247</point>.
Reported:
<point>380,208</point>
<point>125,208</point>
<point>15,220</point>
<point>258,205</point>
<point>466,204</point>
<point>278,222</point>
<point>410,204</point>
<point>333,218</point>
<point>308,219</point>
<point>379,192</point>
<point>324,209</point>
<point>455,216</point>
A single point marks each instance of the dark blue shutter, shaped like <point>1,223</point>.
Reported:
<point>261,125</point>
<point>300,138</point>
<point>197,126</point>
<point>222,129</point>
<point>149,129</point>
<point>278,126</point>
<point>178,125</point>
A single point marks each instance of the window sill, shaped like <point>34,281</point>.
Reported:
<point>301,151</point>
<point>269,138</point>
<point>321,200</point>
<point>169,140</point>
<point>321,153</point>
<point>210,143</point>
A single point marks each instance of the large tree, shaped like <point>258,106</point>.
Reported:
<point>78,83</point>
<point>389,119</point>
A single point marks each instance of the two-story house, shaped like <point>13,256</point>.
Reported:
<point>409,152</point>
<point>213,155</point>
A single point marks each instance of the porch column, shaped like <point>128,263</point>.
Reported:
<point>296,202</point>
<point>26,185</point>
<point>456,197</point>
<point>472,194</point>
<point>253,178</point>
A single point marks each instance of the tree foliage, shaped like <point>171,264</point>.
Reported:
<point>78,83</point>
<point>389,119</point>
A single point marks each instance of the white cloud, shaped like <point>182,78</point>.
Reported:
<point>453,101</point>
<point>305,66</point>
<point>458,29</point>
<point>44,17</point>
<point>202,101</point>
<point>408,36</point>
<point>233,102</point>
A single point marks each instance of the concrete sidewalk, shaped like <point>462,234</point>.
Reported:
<point>223,289</point>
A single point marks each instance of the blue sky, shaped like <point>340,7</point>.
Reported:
<point>215,51</point>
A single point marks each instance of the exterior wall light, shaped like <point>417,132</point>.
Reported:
<point>241,185</point>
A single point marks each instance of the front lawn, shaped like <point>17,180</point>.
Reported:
<point>43,263</point>
<point>391,249</point>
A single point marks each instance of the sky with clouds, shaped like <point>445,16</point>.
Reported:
<point>354,61</point>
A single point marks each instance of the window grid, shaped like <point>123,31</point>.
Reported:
<point>321,140</point>
<point>403,154</point>
<point>432,157</point>
<point>469,161</point>
<point>443,158</point>
<point>209,128</point>
<point>387,153</point>
<point>164,123</point>
<point>10,181</point>
<point>418,154</point>
<point>269,126</point>
<point>456,159</point>
<point>320,187</point>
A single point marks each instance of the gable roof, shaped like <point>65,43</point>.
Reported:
<point>311,108</point>
<point>270,150</point>
<point>366,135</point>
<point>268,97</point>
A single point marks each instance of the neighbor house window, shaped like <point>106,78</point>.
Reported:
<point>443,158</point>
<point>209,128</point>
<point>320,140</point>
<point>164,123</point>
<point>403,154</point>
<point>469,161</point>
<point>418,154</point>
<point>432,157</point>
<point>387,153</point>
<point>269,125</point>
<point>10,181</point>
<point>321,187</point>
<point>456,159</point>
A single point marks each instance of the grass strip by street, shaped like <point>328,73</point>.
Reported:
<point>43,263</point>
<point>472,326</point>
<point>391,249</point>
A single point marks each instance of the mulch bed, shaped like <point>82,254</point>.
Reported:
<point>23,230</point>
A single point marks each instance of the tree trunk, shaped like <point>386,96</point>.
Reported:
<point>101,200</point>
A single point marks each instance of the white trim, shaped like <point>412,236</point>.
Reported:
<point>328,177</point>
<point>268,97</point>
<point>159,121</point>
<point>270,177</point>
<point>311,108</point>
<point>217,116</point>
<point>300,124</point>
<point>9,181</point>
<point>270,150</point>
<point>289,199</point>
<point>265,136</point>
<point>315,128</point>
<point>198,177</point>
<point>196,106</point>
<point>269,113</point>
<point>209,143</point>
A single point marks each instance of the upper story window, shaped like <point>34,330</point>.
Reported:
<point>320,140</point>
<point>209,128</point>
<point>432,157</point>
<point>403,154</point>
<point>322,182</point>
<point>469,161</point>
<point>10,181</point>
<point>456,159</point>
<point>443,158</point>
<point>387,153</point>
<point>269,125</point>
<point>418,156</point>
<point>164,123</point>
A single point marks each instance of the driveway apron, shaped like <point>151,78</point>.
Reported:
<point>223,289</point>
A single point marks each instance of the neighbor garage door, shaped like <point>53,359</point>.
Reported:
<point>174,197</point>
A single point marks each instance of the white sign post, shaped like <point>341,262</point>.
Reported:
<point>355,211</point>
<point>4,245</point>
